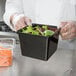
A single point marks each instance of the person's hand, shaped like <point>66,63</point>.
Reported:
<point>68,30</point>
<point>20,21</point>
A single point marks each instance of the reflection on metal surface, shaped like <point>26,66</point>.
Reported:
<point>68,72</point>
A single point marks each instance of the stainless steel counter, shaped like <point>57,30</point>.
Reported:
<point>62,63</point>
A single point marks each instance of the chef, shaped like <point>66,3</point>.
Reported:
<point>61,13</point>
<point>20,13</point>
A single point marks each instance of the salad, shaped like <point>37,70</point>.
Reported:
<point>38,30</point>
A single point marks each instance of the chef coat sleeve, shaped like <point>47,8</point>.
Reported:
<point>11,7</point>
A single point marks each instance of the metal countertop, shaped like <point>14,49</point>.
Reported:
<point>62,63</point>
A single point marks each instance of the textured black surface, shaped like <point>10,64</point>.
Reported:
<point>4,27</point>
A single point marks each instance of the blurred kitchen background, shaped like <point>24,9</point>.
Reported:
<point>2,7</point>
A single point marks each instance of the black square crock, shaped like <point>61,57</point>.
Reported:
<point>39,47</point>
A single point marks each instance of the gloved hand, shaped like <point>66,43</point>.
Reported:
<point>19,21</point>
<point>68,30</point>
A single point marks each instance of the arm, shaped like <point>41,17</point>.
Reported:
<point>12,7</point>
<point>68,27</point>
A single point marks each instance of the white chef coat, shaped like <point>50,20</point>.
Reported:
<point>41,11</point>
